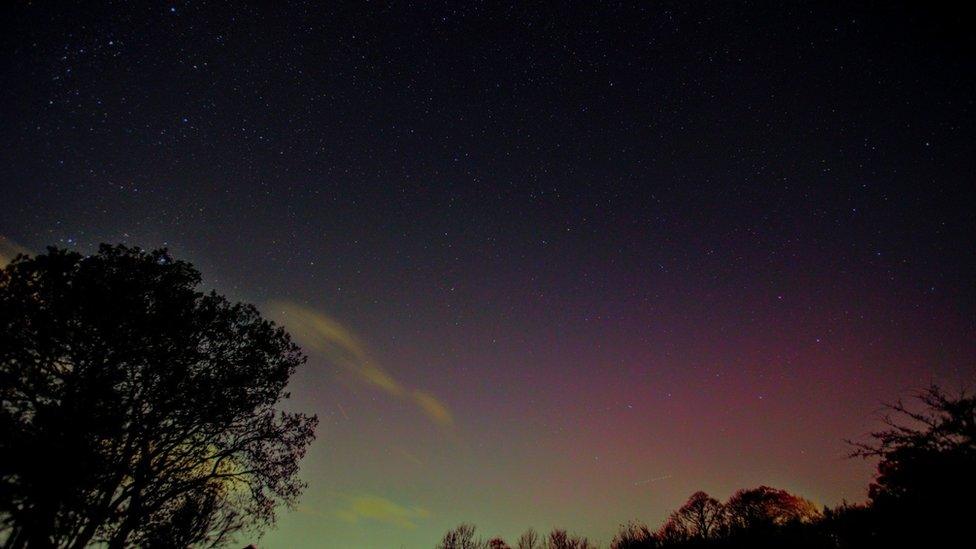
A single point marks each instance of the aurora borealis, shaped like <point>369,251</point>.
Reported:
<point>553,265</point>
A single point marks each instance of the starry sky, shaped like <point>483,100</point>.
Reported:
<point>554,264</point>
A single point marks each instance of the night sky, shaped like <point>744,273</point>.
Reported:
<point>553,264</point>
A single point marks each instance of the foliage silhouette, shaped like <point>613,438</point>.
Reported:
<point>136,410</point>
<point>634,535</point>
<point>498,543</point>
<point>927,468</point>
<point>701,517</point>
<point>766,508</point>
<point>560,539</point>
<point>462,537</point>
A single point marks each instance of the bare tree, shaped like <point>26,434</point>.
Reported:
<point>671,533</point>
<point>634,535</point>
<point>560,539</point>
<point>529,540</point>
<point>701,515</point>
<point>462,537</point>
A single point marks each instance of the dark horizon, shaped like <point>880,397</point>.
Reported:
<point>553,266</point>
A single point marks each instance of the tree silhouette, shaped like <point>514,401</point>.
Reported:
<point>462,537</point>
<point>136,410</point>
<point>926,468</point>
<point>634,535</point>
<point>671,533</point>
<point>763,508</point>
<point>699,518</point>
<point>529,540</point>
<point>560,539</point>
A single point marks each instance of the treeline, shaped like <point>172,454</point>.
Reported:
<point>753,517</point>
<point>922,496</point>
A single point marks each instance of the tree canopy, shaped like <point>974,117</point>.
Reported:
<point>926,466</point>
<point>137,410</point>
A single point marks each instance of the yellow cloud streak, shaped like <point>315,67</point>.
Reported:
<point>434,408</point>
<point>329,339</point>
<point>382,510</point>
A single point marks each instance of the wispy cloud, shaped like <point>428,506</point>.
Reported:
<point>9,250</point>
<point>380,509</point>
<point>329,339</point>
<point>434,408</point>
<point>409,457</point>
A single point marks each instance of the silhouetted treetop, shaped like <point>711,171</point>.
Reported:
<point>136,410</point>
<point>764,506</point>
<point>701,517</point>
<point>926,467</point>
<point>634,535</point>
<point>462,537</point>
<point>529,540</point>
